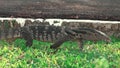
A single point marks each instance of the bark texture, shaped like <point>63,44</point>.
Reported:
<point>77,9</point>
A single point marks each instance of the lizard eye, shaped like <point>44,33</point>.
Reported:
<point>80,35</point>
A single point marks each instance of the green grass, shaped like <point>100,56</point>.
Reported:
<point>94,55</point>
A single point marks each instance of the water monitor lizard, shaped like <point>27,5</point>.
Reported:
<point>59,35</point>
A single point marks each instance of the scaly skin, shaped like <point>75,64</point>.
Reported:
<point>55,34</point>
<point>81,34</point>
<point>59,35</point>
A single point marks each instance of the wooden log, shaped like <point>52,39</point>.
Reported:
<point>75,9</point>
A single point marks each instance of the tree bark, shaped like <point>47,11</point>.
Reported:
<point>67,9</point>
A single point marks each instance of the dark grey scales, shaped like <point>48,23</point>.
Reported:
<point>50,33</point>
<point>59,35</point>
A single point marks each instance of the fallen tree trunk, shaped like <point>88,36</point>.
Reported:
<point>65,9</point>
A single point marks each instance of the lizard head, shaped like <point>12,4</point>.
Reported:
<point>102,36</point>
<point>91,34</point>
